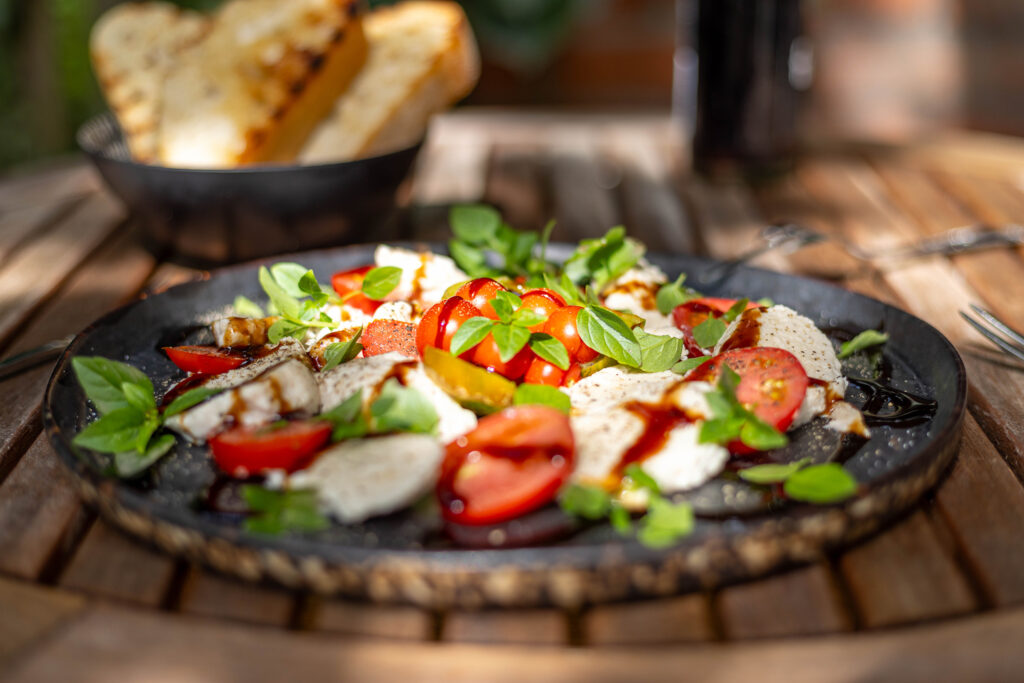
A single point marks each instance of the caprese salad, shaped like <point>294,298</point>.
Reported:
<point>493,381</point>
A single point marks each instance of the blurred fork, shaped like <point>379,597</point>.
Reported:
<point>1003,336</point>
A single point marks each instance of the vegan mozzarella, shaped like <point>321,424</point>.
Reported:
<point>425,276</point>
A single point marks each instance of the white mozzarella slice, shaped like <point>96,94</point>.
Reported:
<point>843,417</point>
<point>425,276</point>
<point>453,419</point>
<point>394,310</point>
<point>619,384</point>
<point>683,462</point>
<point>288,348</point>
<point>602,438</point>
<point>636,291</point>
<point>362,478</point>
<point>286,389</point>
<point>367,374</point>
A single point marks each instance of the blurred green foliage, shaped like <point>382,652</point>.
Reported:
<point>47,88</point>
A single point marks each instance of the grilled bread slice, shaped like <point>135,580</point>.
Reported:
<point>422,59</point>
<point>257,85</point>
<point>133,46</point>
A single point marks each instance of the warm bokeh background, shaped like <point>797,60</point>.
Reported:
<point>887,69</point>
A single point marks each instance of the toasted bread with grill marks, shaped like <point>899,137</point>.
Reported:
<point>132,47</point>
<point>422,58</point>
<point>257,85</point>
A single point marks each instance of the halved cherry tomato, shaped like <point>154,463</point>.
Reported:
<point>572,375</point>
<point>513,462</point>
<point>204,360</point>
<point>562,326</point>
<point>480,292</point>
<point>486,355</point>
<point>542,301</point>
<point>542,372</point>
<point>385,336</point>
<point>772,383</point>
<point>441,321</point>
<point>687,316</point>
<point>349,284</point>
<point>243,451</point>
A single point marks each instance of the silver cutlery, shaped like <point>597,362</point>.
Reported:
<point>996,331</point>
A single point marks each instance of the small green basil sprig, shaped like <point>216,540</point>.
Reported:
<point>480,231</point>
<point>605,332</point>
<point>598,261</point>
<point>129,418</point>
<point>274,512</point>
<point>864,340</point>
<point>511,332</point>
<point>664,524</point>
<point>541,394</point>
<point>708,333</point>
<point>673,294</point>
<point>396,409</point>
<point>732,421</point>
<point>820,484</point>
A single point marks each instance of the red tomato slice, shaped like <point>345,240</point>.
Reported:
<point>687,316</point>
<point>513,462</point>
<point>772,383</point>
<point>243,451</point>
<point>385,336</point>
<point>349,284</point>
<point>204,360</point>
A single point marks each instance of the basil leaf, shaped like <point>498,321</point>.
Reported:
<point>760,435</point>
<point>771,473</point>
<point>247,308</point>
<point>687,364</point>
<point>454,289</point>
<point>550,349</point>
<point>103,380</point>
<point>545,237</point>
<point>288,276</point>
<point>138,397</point>
<point>285,303</point>
<point>864,340</point>
<point>588,502</point>
<point>130,463</point>
<point>190,398</point>
<point>600,261</point>
<point>114,432</point>
<point>735,310</point>
<point>541,394</point>
<point>828,483</point>
<point>620,520</point>
<point>475,224</point>
<point>380,282</point>
<point>510,340</point>
<point>347,418</point>
<point>342,352</point>
<point>402,409</point>
<point>765,302</point>
<point>665,523</point>
<point>470,259</point>
<point>503,308</point>
<point>471,333</point>
<point>658,353</point>
<point>721,430</point>
<point>309,285</point>
<point>674,294</point>
<point>275,512</point>
<point>527,317</point>
<point>564,288</point>
<point>606,333</point>
<point>511,298</point>
<point>641,479</point>
<point>285,328</point>
<point>707,333</point>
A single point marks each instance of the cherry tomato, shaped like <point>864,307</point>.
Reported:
<point>542,372</point>
<point>687,316</point>
<point>480,292</point>
<point>772,384</point>
<point>243,451</point>
<point>542,301</point>
<point>572,375</point>
<point>562,326</point>
<point>204,360</point>
<point>441,321</point>
<point>385,336</point>
<point>486,355</point>
<point>349,284</point>
<point>514,461</point>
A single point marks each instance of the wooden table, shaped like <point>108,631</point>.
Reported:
<point>936,596</point>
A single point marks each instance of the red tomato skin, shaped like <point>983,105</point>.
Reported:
<point>204,360</point>
<point>515,461</point>
<point>486,355</point>
<point>542,301</point>
<point>687,316</point>
<point>442,321</point>
<point>572,375</point>
<point>562,326</point>
<point>386,336</point>
<point>542,372</point>
<point>480,292</point>
<point>346,282</point>
<point>243,451</point>
<point>773,384</point>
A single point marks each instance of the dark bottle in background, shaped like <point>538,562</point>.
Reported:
<point>751,64</point>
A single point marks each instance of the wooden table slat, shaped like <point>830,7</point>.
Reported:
<point>29,613</point>
<point>522,627</point>
<point>672,620</point>
<point>355,619</point>
<point>208,594</point>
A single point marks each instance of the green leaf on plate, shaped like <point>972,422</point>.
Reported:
<point>828,483</point>
<point>864,340</point>
<point>772,473</point>
<point>606,333</point>
<point>510,340</point>
<point>402,409</point>
<point>707,333</point>
<point>342,352</point>
<point>550,349</point>
<point>247,308</point>
<point>190,398</point>
<point>380,282</point>
<point>471,333</point>
<point>103,380</point>
<point>541,394</point>
<point>672,294</point>
<point>687,364</point>
<point>130,463</point>
<point>658,352</point>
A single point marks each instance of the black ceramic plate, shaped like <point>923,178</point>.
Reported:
<point>404,557</point>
